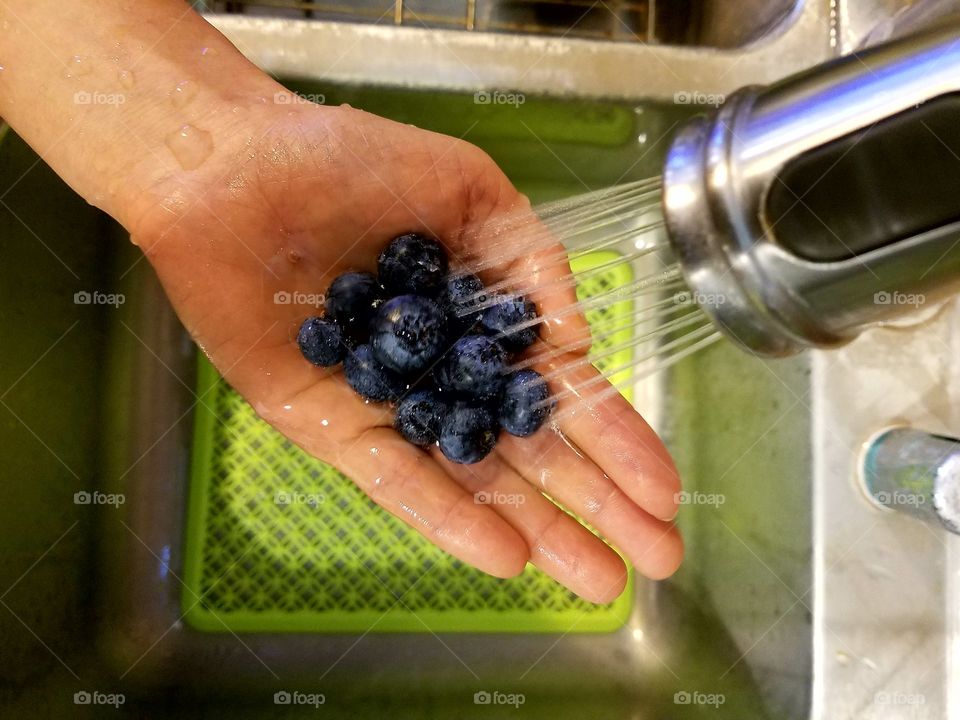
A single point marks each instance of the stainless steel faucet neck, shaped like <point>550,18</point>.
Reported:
<point>805,211</point>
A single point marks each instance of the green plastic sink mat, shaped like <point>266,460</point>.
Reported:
<point>333,562</point>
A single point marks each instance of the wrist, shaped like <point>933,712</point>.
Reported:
<point>146,95</point>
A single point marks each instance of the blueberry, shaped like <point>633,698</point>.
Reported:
<point>413,263</point>
<point>352,299</point>
<point>369,378</point>
<point>408,333</point>
<point>321,342</point>
<point>462,295</point>
<point>523,407</point>
<point>499,320</point>
<point>474,366</point>
<point>467,433</point>
<point>418,417</point>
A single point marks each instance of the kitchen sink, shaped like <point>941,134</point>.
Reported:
<point>792,601</point>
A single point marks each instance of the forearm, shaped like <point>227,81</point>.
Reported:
<point>119,100</point>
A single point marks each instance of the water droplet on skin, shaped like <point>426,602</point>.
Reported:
<point>288,408</point>
<point>190,146</point>
<point>544,476</point>
<point>209,52</point>
<point>294,257</point>
<point>76,67</point>
<point>592,505</point>
<point>374,451</point>
<point>325,422</point>
<point>126,79</point>
<point>5,25</point>
<point>183,93</point>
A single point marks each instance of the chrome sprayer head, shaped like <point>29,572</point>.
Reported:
<point>805,211</point>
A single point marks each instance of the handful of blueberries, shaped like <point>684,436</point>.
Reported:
<point>434,344</point>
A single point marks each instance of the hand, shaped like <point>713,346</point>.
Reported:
<point>285,197</point>
<point>308,193</point>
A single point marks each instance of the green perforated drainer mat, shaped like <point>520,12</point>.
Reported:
<point>279,541</point>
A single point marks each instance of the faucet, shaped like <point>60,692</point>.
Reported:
<point>827,202</point>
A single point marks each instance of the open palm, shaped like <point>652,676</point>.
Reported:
<point>297,196</point>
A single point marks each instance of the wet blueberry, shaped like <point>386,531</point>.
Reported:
<point>408,333</point>
<point>467,433</point>
<point>352,299</point>
<point>369,378</point>
<point>502,319</point>
<point>461,296</point>
<point>413,263</point>
<point>418,417</point>
<point>524,405</point>
<point>474,366</point>
<point>321,341</point>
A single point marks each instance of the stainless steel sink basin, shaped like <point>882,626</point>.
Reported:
<point>701,635</point>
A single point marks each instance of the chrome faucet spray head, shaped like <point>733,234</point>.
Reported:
<point>805,211</point>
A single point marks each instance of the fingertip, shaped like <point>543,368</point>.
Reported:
<point>663,557</point>
<point>660,494</point>
<point>508,564</point>
<point>610,588</point>
<point>493,546</point>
